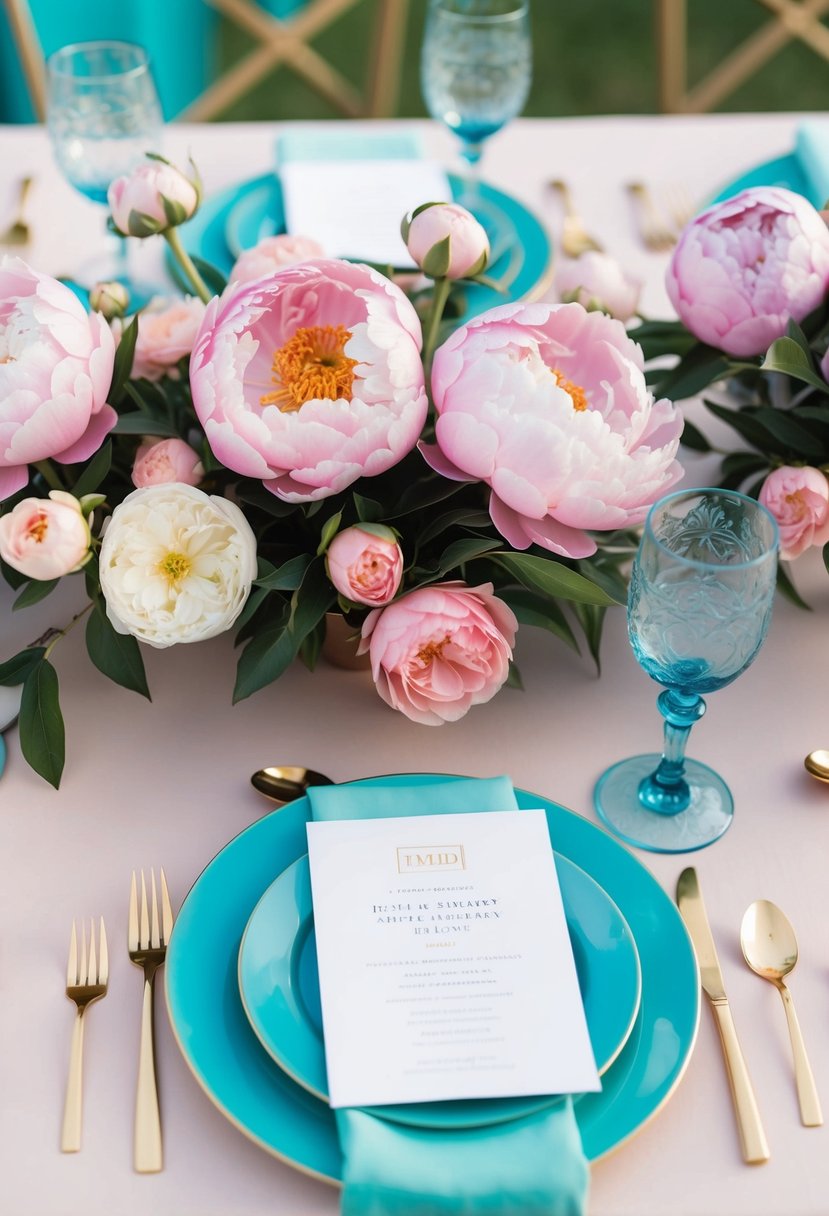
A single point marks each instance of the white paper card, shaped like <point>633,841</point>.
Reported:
<point>354,208</point>
<point>445,963</point>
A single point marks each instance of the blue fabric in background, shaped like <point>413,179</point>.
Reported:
<point>180,36</point>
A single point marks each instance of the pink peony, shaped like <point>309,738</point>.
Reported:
<point>798,498</point>
<point>311,378</point>
<point>272,254</point>
<point>548,405</point>
<point>161,461</point>
<point>55,372</point>
<point>446,240</point>
<point>45,538</point>
<point>440,650</point>
<point>597,281</point>
<point>365,564</point>
<point>167,329</point>
<point>137,200</point>
<point>744,267</point>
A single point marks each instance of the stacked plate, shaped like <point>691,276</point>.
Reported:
<point>243,994</point>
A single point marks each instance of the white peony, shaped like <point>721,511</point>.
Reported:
<point>176,564</point>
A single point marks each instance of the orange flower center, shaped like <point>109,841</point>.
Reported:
<point>432,650</point>
<point>797,502</point>
<point>38,529</point>
<point>311,364</point>
<point>574,391</point>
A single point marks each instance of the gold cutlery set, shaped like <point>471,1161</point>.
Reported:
<point>87,980</point>
<point>18,232</point>
<point>658,223</point>
<point>770,949</point>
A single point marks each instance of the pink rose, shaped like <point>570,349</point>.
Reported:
<point>155,196</point>
<point>548,405</point>
<point>167,329</point>
<point>45,538</point>
<point>446,241</point>
<point>272,254</point>
<point>597,281</point>
<point>365,564</point>
<point>311,378</point>
<point>798,498</point>
<point>743,268</point>
<point>160,461</point>
<point>440,650</point>
<point>56,365</point>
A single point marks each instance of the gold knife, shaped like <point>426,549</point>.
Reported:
<point>692,909</point>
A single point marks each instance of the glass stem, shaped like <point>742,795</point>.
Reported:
<point>666,791</point>
<point>471,154</point>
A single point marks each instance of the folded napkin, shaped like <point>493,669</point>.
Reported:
<point>534,1166</point>
<point>345,144</point>
<point>812,152</point>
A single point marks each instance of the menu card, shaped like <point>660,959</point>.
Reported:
<point>445,963</point>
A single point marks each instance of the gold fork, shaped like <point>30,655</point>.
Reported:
<point>575,239</point>
<point>147,947</point>
<point>18,232</point>
<point>86,981</point>
<point>655,233</point>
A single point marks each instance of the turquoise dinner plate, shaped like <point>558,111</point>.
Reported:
<point>782,171</point>
<point>238,217</point>
<point>250,1089</point>
<point>279,986</point>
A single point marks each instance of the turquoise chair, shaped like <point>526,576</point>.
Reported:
<point>180,36</point>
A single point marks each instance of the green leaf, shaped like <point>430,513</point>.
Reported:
<point>13,577</point>
<point>465,549</point>
<point>329,531</point>
<point>252,605</point>
<point>95,471</point>
<point>513,679</point>
<point>591,619</point>
<point>797,335</point>
<point>662,338</point>
<point>34,592</point>
<point>436,261</point>
<point>694,439</point>
<point>288,576</point>
<point>825,562</point>
<point>214,280</point>
<point>15,670</point>
<point>744,424</point>
<point>787,588</point>
<point>124,355</point>
<point>460,517</point>
<point>311,647</point>
<point>368,509</point>
<point>552,578</point>
<point>694,372</point>
<point>425,493</point>
<point>116,655</point>
<point>42,738</point>
<point>140,423</point>
<point>254,492</point>
<point>788,432</point>
<point>533,609</point>
<point>787,356</point>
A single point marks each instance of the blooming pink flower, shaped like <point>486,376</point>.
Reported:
<point>440,650</point>
<point>160,461</point>
<point>798,498</point>
<point>272,253</point>
<point>167,329</point>
<point>446,240</point>
<point>311,378</point>
<point>55,372</point>
<point>365,565</point>
<point>45,538</point>
<point>548,405</point>
<point>743,268</point>
<point>137,200</point>
<point>597,281</point>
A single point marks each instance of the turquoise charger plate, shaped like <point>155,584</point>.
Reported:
<point>783,171</point>
<point>254,1094</point>
<point>279,987</point>
<point>240,216</point>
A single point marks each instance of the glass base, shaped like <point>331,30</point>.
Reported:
<point>616,798</point>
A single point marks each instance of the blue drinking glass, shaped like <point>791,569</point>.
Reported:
<point>476,67</point>
<point>699,606</point>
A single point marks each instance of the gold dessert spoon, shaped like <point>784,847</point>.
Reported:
<point>770,949</point>
<point>817,764</point>
<point>282,783</point>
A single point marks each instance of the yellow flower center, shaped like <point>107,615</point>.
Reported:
<point>312,364</point>
<point>575,391</point>
<point>38,529</point>
<point>432,650</point>
<point>175,567</point>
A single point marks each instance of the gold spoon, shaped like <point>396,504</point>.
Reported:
<point>282,783</point>
<point>770,949</point>
<point>817,764</point>
<point>18,232</point>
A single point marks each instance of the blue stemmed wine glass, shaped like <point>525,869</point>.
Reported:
<point>103,115</point>
<point>699,606</point>
<point>476,67</point>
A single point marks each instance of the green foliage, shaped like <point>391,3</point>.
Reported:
<point>42,737</point>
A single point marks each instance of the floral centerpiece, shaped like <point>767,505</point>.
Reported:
<point>299,441</point>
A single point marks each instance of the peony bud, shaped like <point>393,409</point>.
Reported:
<point>154,197</point>
<point>365,564</point>
<point>798,498</point>
<point>111,299</point>
<point>599,284</point>
<point>161,461</point>
<point>446,241</point>
<point>45,538</point>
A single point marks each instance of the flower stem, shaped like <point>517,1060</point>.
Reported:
<point>49,474</point>
<point>440,295</point>
<point>184,260</point>
<point>56,634</point>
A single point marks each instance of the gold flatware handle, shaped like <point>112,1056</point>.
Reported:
<point>810,1113</point>
<point>147,1153</point>
<point>70,1136</point>
<point>752,1137</point>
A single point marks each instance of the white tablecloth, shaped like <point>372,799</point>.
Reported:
<point>167,783</point>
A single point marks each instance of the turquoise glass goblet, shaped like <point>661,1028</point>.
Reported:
<point>699,606</point>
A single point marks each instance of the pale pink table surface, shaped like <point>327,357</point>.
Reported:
<point>167,783</point>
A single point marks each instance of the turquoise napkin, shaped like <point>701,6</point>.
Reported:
<point>812,152</point>
<point>524,1167</point>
